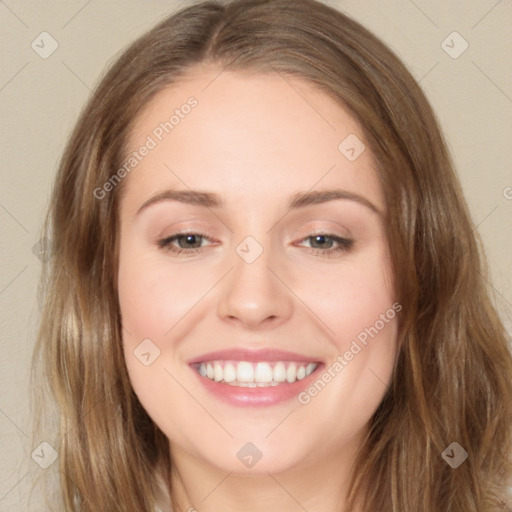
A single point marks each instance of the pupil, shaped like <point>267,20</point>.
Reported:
<point>190,239</point>
<point>320,239</point>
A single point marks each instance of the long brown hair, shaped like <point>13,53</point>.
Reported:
<point>452,380</point>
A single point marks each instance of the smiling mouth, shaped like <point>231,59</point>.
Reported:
<point>254,374</point>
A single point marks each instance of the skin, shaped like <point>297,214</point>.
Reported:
<point>255,140</point>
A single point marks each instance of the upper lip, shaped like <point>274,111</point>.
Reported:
<point>254,355</point>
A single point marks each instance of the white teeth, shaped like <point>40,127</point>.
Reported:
<point>260,374</point>
<point>310,368</point>
<point>263,373</point>
<point>291,373</point>
<point>244,372</point>
<point>229,373</point>
<point>218,373</point>
<point>280,372</point>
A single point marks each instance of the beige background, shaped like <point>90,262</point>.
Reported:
<point>41,98</point>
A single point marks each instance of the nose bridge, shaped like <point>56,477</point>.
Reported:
<point>252,293</point>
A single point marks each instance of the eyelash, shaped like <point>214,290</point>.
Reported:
<point>345,244</point>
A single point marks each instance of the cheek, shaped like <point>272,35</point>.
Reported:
<point>151,301</point>
<point>352,297</point>
<point>154,296</point>
<point>359,312</point>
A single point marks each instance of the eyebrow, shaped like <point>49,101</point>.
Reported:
<point>298,200</point>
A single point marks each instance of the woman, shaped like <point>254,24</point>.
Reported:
<point>207,349</point>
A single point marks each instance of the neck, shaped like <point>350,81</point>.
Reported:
<point>315,487</point>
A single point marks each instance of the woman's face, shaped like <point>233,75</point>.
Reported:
<point>266,338</point>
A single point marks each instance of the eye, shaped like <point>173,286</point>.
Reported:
<point>324,244</point>
<point>189,242</point>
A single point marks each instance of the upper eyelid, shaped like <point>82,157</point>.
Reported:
<point>173,237</point>
<point>322,230</point>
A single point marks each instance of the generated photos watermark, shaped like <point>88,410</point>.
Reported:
<point>152,140</point>
<point>357,345</point>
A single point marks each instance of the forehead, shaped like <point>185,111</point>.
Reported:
<point>249,133</point>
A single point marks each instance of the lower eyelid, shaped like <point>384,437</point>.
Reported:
<point>168,240</point>
<point>342,242</point>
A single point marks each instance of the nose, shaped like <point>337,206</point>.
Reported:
<point>255,295</point>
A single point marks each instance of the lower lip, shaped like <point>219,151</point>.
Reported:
<point>252,397</point>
